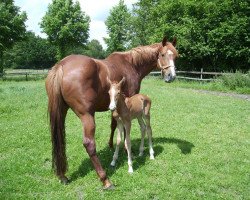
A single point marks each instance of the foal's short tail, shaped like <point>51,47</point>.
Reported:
<point>57,114</point>
<point>147,106</point>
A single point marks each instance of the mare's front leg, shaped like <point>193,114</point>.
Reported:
<point>119,136</point>
<point>127,126</point>
<point>89,143</point>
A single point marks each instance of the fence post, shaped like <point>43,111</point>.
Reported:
<point>26,76</point>
<point>201,73</point>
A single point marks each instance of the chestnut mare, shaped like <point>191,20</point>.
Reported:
<point>79,82</point>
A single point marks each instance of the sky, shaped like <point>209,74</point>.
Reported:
<point>97,10</point>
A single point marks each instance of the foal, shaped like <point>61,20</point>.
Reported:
<point>124,110</point>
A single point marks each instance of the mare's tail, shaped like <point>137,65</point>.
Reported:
<point>57,112</point>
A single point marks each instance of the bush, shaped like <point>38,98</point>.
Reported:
<point>236,80</point>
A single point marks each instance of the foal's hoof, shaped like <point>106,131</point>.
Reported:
<point>64,181</point>
<point>112,164</point>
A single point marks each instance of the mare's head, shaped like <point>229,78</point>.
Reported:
<point>166,58</point>
<point>115,91</point>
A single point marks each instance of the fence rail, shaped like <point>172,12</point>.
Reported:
<point>31,73</point>
<point>200,73</point>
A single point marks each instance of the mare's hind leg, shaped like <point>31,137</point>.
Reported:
<point>89,143</point>
<point>118,141</point>
<point>149,132</point>
<point>143,130</point>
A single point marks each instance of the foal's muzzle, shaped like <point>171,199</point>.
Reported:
<point>112,107</point>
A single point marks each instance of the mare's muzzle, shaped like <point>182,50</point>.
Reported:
<point>169,78</point>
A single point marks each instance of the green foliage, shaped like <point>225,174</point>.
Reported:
<point>201,148</point>
<point>206,37</point>
<point>32,52</point>
<point>66,25</point>
<point>12,27</point>
<point>94,49</point>
<point>118,26</point>
<point>236,80</point>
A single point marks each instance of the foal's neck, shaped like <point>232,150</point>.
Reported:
<point>121,105</point>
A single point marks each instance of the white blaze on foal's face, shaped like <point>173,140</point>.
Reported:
<point>114,93</point>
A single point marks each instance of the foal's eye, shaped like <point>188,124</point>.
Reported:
<point>162,54</point>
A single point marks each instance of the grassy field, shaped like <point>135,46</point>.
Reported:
<point>201,143</point>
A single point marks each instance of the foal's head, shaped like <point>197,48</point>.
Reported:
<point>115,91</point>
<point>166,58</point>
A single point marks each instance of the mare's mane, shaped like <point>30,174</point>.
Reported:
<point>141,55</point>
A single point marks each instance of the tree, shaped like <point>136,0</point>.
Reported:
<point>118,26</point>
<point>33,52</point>
<point>66,25</point>
<point>94,49</point>
<point>143,21</point>
<point>12,27</point>
<point>206,37</point>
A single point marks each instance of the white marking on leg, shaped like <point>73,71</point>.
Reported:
<point>149,132</point>
<point>128,143</point>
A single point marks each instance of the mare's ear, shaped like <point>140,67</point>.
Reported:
<point>108,80</point>
<point>174,42</point>
<point>164,41</point>
<point>122,81</point>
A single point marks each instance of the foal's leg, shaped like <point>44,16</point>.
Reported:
<point>89,143</point>
<point>118,141</point>
<point>149,132</point>
<point>113,127</point>
<point>143,130</point>
<point>127,126</point>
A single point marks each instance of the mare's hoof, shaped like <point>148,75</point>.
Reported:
<point>64,181</point>
<point>110,187</point>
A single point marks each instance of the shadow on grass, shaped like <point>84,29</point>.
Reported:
<point>105,155</point>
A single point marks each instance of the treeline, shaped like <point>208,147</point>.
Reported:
<point>34,52</point>
<point>213,35</point>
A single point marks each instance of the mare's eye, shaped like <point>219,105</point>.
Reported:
<point>162,54</point>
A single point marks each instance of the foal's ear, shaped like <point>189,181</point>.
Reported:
<point>164,41</point>
<point>108,80</point>
<point>174,42</point>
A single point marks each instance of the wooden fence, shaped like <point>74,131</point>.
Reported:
<point>24,74</point>
<point>199,75</point>
<point>33,74</point>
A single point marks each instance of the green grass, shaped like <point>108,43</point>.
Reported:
<point>201,144</point>
<point>232,82</point>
